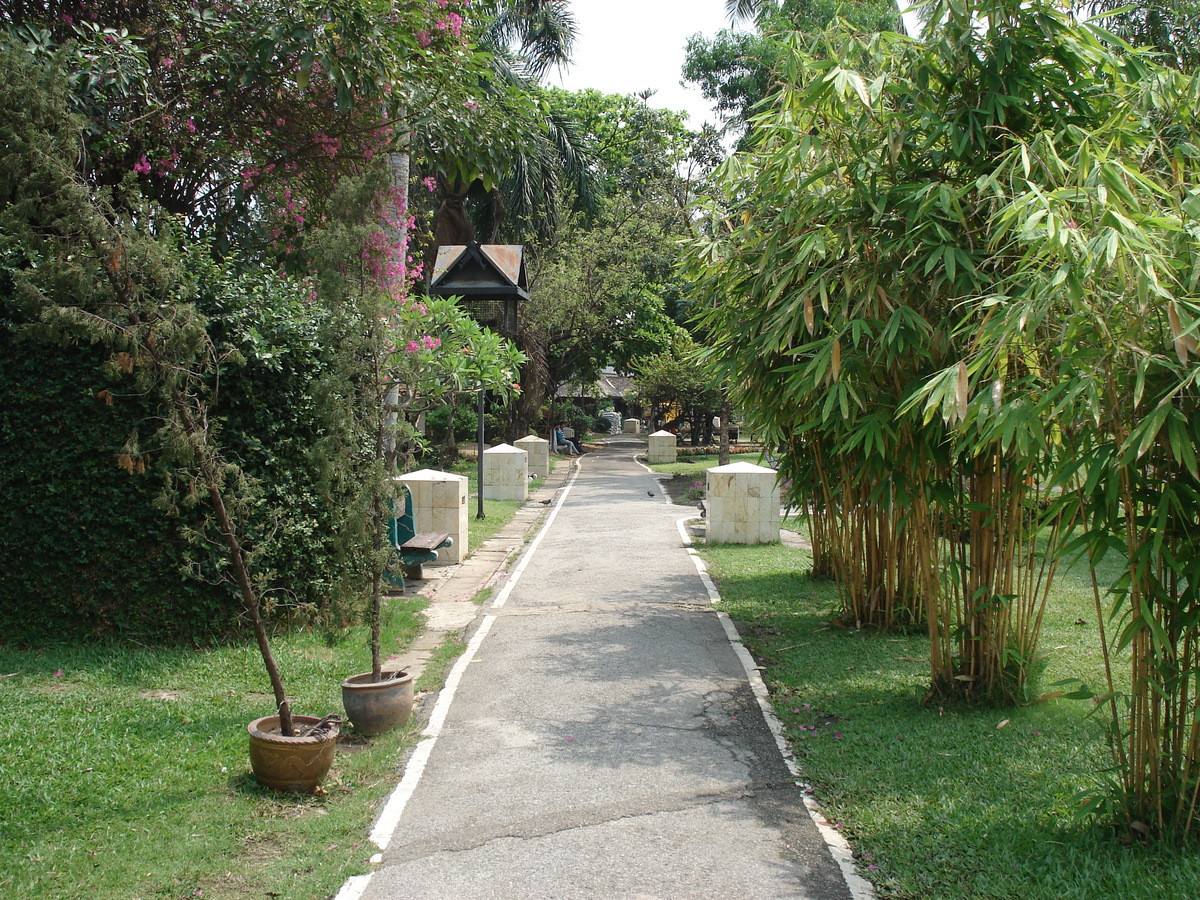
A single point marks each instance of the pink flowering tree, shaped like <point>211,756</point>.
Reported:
<point>240,116</point>
<point>401,354</point>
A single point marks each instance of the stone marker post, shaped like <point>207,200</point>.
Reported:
<point>663,448</point>
<point>539,454</point>
<point>742,504</point>
<point>440,504</point>
<point>505,473</point>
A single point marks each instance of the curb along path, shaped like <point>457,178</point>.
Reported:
<point>604,739</point>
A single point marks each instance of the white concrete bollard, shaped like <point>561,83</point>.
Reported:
<point>539,454</point>
<point>663,448</point>
<point>505,473</point>
<point>742,504</point>
<point>632,426</point>
<point>440,504</point>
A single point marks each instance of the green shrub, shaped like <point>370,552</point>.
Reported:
<point>83,549</point>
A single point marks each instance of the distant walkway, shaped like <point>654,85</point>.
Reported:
<point>603,740</point>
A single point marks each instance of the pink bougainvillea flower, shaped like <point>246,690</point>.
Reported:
<point>142,166</point>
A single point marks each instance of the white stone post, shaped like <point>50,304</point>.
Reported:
<point>742,504</point>
<point>539,454</point>
<point>663,448</point>
<point>632,426</point>
<point>440,504</point>
<point>505,473</point>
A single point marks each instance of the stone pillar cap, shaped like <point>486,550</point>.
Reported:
<point>431,475</point>
<point>743,468</point>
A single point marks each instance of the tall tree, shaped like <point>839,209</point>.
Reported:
<point>604,288</point>
<point>514,155</point>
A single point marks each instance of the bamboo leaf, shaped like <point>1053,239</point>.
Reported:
<point>836,364</point>
<point>960,391</point>
<point>809,315</point>
<point>1181,349</point>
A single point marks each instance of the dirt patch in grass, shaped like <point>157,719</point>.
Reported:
<point>685,490</point>
<point>171,696</point>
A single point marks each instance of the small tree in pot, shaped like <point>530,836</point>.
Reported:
<point>107,267</point>
<point>427,353</point>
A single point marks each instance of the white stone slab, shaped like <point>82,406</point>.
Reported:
<point>663,448</point>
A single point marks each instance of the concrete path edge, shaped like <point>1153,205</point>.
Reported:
<point>839,849</point>
<point>389,816</point>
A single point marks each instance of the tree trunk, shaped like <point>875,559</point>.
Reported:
<point>726,414</point>
<point>211,473</point>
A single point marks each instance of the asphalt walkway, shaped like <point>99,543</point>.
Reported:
<point>601,737</point>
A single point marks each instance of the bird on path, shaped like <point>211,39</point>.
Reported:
<point>649,493</point>
<point>546,502</point>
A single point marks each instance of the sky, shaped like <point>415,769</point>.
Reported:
<point>627,46</point>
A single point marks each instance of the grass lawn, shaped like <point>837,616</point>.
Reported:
<point>126,772</point>
<point>941,802</point>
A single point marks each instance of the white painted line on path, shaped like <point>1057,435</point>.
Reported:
<point>502,597</point>
<point>353,888</point>
<point>839,849</point>
<point>389,818</point>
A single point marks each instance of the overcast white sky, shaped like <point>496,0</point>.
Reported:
<point>627,46</point>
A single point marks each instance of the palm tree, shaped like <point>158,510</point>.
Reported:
<point>747,10</point>
<point>526,39</point>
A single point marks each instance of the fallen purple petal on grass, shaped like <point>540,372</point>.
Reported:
<point>837,735</point>
<point>58,674</point>
<point>570,739</point>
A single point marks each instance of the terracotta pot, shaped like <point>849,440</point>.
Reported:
<point>374,707</point>
<point>295,764</point>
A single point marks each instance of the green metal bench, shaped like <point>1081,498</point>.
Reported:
<point>411,550</point>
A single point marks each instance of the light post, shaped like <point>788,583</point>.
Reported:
<point>489,279</point>
<point>479,453</point>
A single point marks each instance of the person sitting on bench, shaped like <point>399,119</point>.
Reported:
<point>561,440</point>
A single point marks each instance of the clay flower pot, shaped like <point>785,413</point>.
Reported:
<point>374,707</point>
<point>296,764</point>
